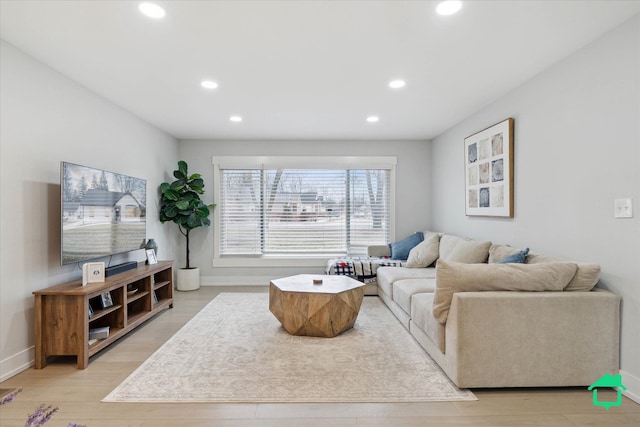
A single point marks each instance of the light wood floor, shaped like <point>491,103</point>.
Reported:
<point>78,394</point>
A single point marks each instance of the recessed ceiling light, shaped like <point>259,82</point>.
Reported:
<point>373,119</point>
<point>235,119</point>
<point>397,84</point>
<point>449,7</point>
<point>209,84</point>
<point>152,10</point>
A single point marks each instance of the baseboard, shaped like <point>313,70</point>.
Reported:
<point>235,280</point>
<point>17,363</point>
<point>632,383</point>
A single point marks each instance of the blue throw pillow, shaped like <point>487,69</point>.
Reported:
<point>400,250</point>
<point>518,258</point>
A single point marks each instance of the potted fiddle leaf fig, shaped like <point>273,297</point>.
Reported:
<point>180,203</point>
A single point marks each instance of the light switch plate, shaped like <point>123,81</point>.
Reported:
<point>623,208</point>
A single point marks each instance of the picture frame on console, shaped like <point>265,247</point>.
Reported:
<point>488,164</point>
<point>105,300</point>
<point>151,257</point>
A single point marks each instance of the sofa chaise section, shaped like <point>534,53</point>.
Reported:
<point>524,339</point>
<point>567,335</point>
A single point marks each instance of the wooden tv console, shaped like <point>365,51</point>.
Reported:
<point>62,312</point>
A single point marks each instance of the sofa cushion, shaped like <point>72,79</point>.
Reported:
<point>400,249</point>
<point>422,316</point>
<point>536,258</point>
<point>500,252</point>
<point>388,275</point>
<point>452,277</point>
<point>379,251</point>
<point>404,289</point>
<point>586,277</point>
<point>459,249</point>
<point>425,253</point>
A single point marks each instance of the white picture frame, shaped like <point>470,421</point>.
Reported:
<point>488,166</point>
<point>92,272</point>
<point>151,257</point>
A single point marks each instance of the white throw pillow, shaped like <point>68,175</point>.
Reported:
<point>425,253</point>
<point>460,249</point>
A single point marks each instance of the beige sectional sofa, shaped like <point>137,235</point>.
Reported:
<point>541,323</point>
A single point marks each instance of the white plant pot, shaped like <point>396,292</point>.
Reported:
<point>188,279</point>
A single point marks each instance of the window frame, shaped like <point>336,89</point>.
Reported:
<point>292,162</point>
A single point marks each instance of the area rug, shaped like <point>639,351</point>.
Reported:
<point>235,350</point>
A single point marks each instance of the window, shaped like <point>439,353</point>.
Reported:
<point>297,206</point>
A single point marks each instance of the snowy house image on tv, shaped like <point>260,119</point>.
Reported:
<point>108,206</point>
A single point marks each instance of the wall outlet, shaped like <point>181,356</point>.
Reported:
<point>623,208</point>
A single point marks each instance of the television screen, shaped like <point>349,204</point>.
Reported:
<point>103,213</point>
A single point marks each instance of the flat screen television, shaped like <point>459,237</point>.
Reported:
<point>102,213</point>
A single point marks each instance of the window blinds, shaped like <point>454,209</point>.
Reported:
<point>303,211</point>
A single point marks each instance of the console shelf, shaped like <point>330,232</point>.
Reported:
<point>137,296</point>
<point>62,312</point>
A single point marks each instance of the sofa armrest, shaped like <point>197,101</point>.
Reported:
<point>379,250</point>
<point>532,339</point>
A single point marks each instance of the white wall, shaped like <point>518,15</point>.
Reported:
<point>577,149</point>
<point>413,181</point>
<point>46,118</point>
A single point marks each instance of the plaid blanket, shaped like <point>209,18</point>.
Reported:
<point>360,268</point>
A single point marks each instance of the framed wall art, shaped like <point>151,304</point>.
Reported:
<point>488,165</point>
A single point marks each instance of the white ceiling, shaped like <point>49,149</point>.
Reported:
<point>305,69</point>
